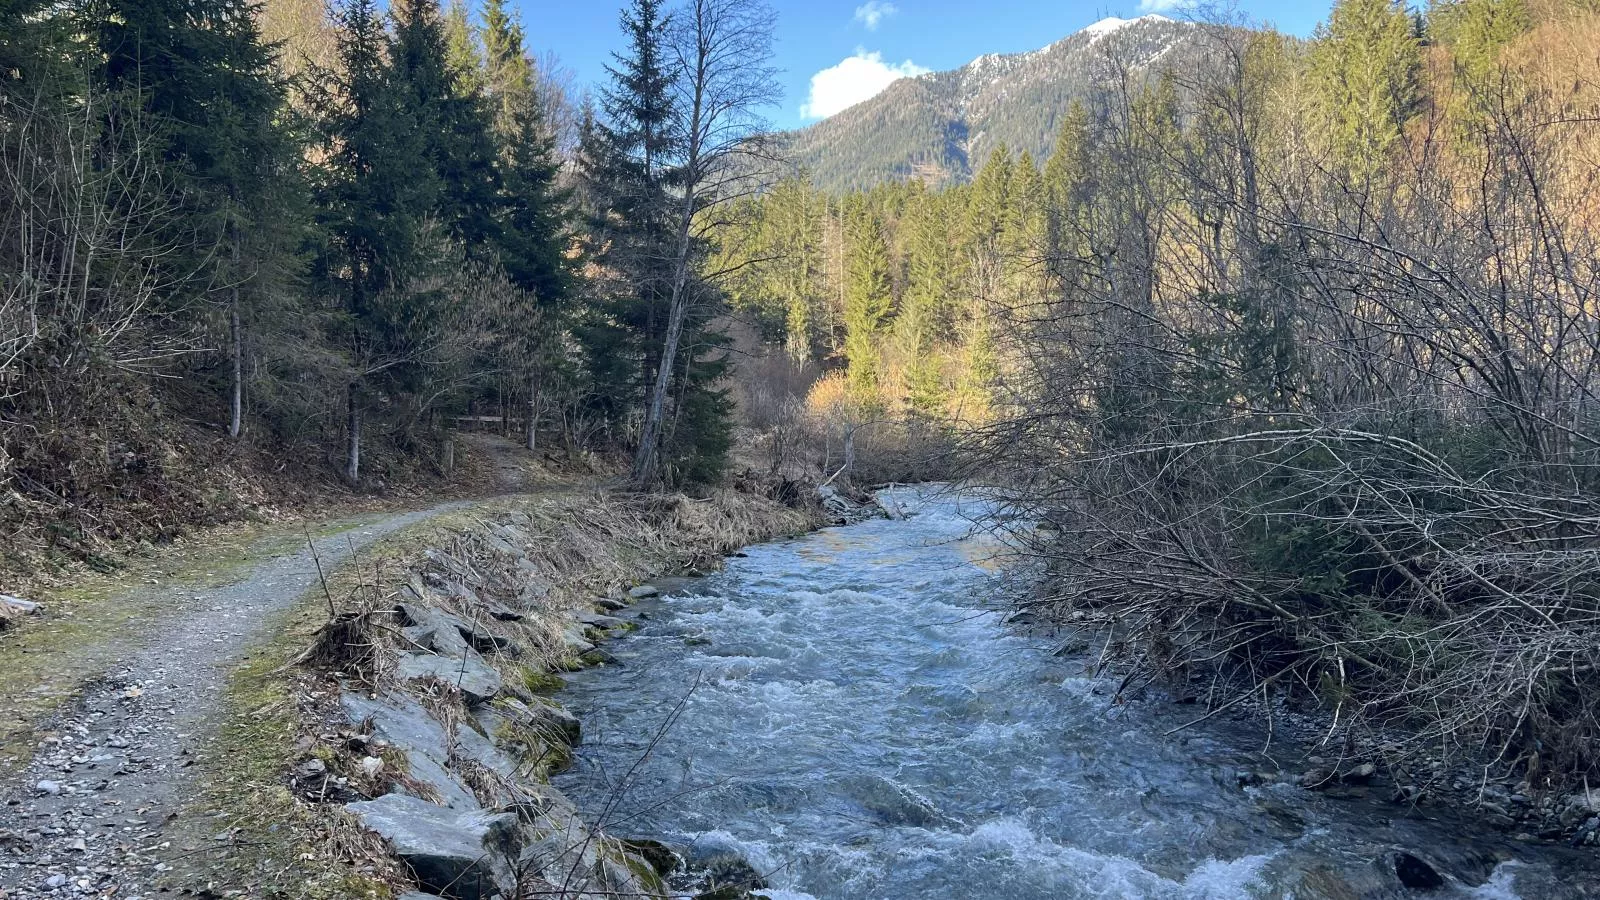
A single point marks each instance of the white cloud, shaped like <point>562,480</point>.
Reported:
<point>1163,5</point>
<point>874,11</point>
<point>854,79</point>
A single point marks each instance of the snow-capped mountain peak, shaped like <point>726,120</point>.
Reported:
<point>940,126</point>
<point>1111,23</point>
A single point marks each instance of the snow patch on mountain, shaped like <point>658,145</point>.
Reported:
<point>1111,23</point>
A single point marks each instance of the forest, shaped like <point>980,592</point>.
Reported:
<point>240,239</point>
<point>1294,348</point>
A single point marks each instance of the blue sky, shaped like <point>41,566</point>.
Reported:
<point>859,45</point>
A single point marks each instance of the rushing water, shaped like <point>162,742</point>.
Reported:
<point>856,724</point>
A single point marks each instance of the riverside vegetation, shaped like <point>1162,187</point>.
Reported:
<point>1289,345</point>
<point>1295,344</point>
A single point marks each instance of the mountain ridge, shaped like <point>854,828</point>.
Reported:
<point>939,126</point>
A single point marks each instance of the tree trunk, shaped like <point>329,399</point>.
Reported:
<point>352,468</point>
<point>646,462</point>
<point>533,411</point>
<point>236,420</point>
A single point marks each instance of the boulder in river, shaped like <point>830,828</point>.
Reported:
<point>461,855</point>
<point>1415,873</point>
<point>640,592</point>
<point>662,858</point>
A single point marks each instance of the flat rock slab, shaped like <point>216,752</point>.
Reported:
<point>477,681</point>
<point>644,590</point>
<point>602,622</point>
<point>406,725</point>
<point>461,855</point>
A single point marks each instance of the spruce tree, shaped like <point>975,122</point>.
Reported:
<point>532,231</point>
<point>624,169</point>
<point>452,119</point>
<point>377,189</point>
<point>867,301</point>
<point>203,78</point>
<point>1365,67</point>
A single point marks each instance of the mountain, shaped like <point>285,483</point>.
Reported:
<point>940,126</point>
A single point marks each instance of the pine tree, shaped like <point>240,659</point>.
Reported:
<point>377,190</point>
<point>1365,67</point>
<point>1476,32</point>
<point>867,301</point>
<point>1067,189</point>
<point>925,316</point>
<point>625,163</point>
<point>205,79</point>
<point>532,233</point>
<point>461,49</point>
<point>453,121</point>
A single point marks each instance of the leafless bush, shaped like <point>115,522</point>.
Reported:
<point>1338,431</point>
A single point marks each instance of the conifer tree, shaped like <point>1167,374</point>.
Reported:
<point>462,51</point>
<point>1365,66</point>
<point>924,318</point>
<point>204,78</point>
<point>867,300</point>
<point>453,121</point>
<point>623,167</point>
<point>377,189</point>
<point>532,229</point>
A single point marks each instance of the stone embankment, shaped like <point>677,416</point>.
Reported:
<point>445,729</point>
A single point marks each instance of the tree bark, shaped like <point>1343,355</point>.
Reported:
<point>236,419</point>
<point>352,469</point>
<point>533,411</point>
<point>646,462</point>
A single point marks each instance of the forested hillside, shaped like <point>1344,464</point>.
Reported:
<point>246,246</point>
<point>1297,344</point>
<point>939,128</point>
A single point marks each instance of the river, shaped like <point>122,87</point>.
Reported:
<point>850,716</point>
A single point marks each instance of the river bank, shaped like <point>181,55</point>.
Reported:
<point>408,741</point>
<point>1317,744</point>
<point>850,715</point>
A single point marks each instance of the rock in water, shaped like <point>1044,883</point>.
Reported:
<point>461,855</point>
<point>644,590</point>
<point>662,858</point>
<point>1416,874</point>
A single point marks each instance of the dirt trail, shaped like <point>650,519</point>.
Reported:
<point>88,816</point>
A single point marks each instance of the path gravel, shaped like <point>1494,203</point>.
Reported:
<point>90,816</point>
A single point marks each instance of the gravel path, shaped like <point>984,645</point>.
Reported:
<point>89,816</point>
